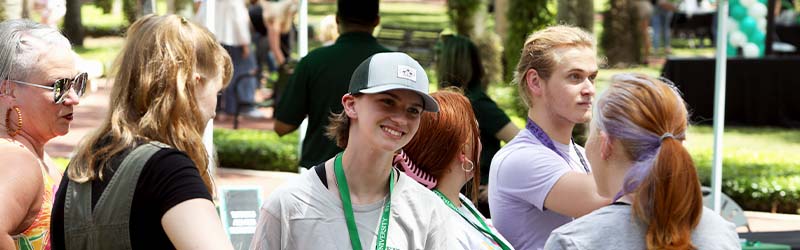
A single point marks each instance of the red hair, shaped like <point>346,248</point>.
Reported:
<point>442,136</point>
<point>639,111</point>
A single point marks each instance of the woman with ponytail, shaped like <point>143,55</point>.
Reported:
<point>635,148</point>
<point>444,156</point>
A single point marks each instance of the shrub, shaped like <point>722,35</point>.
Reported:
<point>255,149</point>
<point>760,181</point>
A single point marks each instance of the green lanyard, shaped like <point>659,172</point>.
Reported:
<point>485,229</point>
<point>347,205</point>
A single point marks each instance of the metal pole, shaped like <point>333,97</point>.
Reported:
<point>211,9</point>
<point>719,102</point>
<point>302,36</point>
<point>302,50</point>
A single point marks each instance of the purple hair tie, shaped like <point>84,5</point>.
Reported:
<point>404,164</point>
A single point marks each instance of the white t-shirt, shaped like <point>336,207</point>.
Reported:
<point>520,178</point>
<point>471,238</point>
<point>305,215</point>
<point>613,227</point>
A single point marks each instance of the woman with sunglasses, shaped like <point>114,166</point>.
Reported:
<point>38,91</point>
<point>444,155</point>
<point>357,200</point>
<point>140,181</point>
<point>636,150</point>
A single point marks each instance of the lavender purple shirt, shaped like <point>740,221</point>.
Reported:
<point>520,178</point>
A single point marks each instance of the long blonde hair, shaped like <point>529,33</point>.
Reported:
<point>154,97</point>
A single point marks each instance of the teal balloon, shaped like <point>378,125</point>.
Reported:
<point>731,50</point>
<point>738,12</point>
<point>763,1</point>
<point>748,25</point>
<point>756,37</point>
<point>762,49</point>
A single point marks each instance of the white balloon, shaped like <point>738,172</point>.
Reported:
<point>738,39</point>
<point>750,50</point>
<point>733,25</point>
<point>757,10</point>
<point>762,24</point>
<point>747,3</point>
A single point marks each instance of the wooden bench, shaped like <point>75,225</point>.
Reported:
<point>417,42</point>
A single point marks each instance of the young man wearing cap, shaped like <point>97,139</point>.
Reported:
<point>357,200</point>
<point>541,180</point>
<point>321,78</point>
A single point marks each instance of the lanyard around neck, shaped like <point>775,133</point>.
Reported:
<point>539,133</point>
<point>347,206</point>
<point>484,229</point>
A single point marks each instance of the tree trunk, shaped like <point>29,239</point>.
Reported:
<point>73,26</point>
<point>622,38</point>
<point>2,11</point>
<point>469,19</point>
<point>524,17</point>
<point>576,12</point>
<point>500,21</point>
<point>147,7</point>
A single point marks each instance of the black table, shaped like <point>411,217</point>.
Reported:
<point>789,34</point>
<point>760,92</point>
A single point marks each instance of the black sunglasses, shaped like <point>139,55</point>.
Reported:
<point>62,86</point>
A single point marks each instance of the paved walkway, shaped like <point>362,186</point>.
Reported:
<point>94,106</point>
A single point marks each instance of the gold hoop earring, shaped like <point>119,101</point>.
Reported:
<point>471,166</point>
<point>8,121</point>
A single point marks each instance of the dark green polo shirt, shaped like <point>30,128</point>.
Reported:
<point>316,89</point>
<point>490,120</point>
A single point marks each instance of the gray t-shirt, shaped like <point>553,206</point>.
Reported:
<point>614,227</point>
<point>304,215</point>
<point>520,178</point>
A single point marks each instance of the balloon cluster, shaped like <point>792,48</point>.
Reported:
<point>747,27</point>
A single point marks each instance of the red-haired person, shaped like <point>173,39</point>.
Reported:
<point>635,146</point>
<point>447,148</point>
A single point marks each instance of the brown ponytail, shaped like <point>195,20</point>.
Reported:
<point>669,200</point>
<point>649,118</point>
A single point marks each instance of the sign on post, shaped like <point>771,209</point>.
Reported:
<point>239,210</point>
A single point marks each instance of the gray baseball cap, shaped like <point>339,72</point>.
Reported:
<point>392,70</point>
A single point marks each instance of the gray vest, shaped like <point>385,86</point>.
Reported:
<point>107,226</point>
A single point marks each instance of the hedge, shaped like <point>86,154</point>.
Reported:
<point>760,181</point>
<point>255,149</point>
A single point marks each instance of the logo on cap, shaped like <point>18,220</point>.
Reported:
<point>407,72</point>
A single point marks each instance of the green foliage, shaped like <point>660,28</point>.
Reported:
<point>622,38</point>
<point>255,149</point>
<point>779,194</point>
<point>759,171</point>
<point>462,13</point>
<point>100,24</point>
<point>2,12</point>
<point>525,17</point>
<point>130,8</point>
<point>104,5</point>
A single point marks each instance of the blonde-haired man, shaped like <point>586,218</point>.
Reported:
<point>541,180</point>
